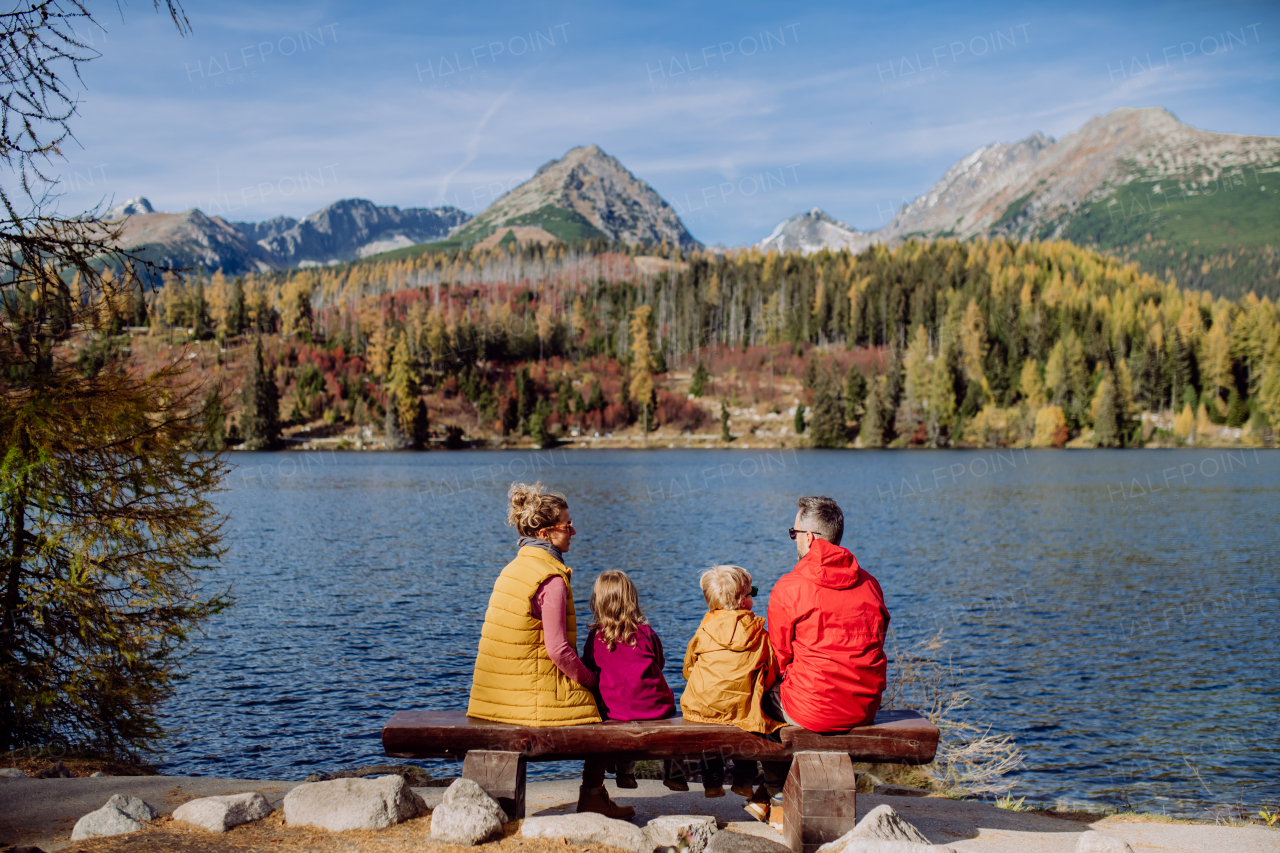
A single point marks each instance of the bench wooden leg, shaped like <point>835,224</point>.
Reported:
<point>501,775</point>
<point>819,800</point>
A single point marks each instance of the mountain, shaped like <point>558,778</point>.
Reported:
<point>191,239</point>
<point>584,194</point>
<point>128,208</point>
<point>809,232</point>
<point>349,229</point>
<point>343,231</point>
<point>1136,182</point>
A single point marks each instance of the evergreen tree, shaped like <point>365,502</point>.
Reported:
<point>698,386</point>
<point>855,391</point>
<point>394,435</point>
<point>798,423</point>
<point>1108,426</point>
<point>213,438</point>
<point>1237,410</point>
<point>527,397</point>
<point>237,311</point>
<point>826,428</point>
<point>199,312</point>
<point>260,412</point>
<point>596,402</point>
<point>539,432</point>
<point>510,415</point>
<point>872,430</point>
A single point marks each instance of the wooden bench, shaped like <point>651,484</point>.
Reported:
<point>820,788</point>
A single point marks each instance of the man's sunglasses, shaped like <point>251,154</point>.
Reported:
<point>791,531</point>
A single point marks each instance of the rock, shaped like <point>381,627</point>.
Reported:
<point>108,820</point>
<point>1099,842</point>
<point>884,823</point>
<point>55,771</point>
<point>97,774</point>
<point>467,815</point>
<point>218,814</point>
<point>899,791</point>
<point>740,842</point>
<point>415,776</point>
<point>879,845</point>
<point>588,828</point>
<point>131,806</point>
<point>342,804</point>
<point>670,830</point>
<point>12,773</point>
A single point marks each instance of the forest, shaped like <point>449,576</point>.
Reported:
<point>945,343</point>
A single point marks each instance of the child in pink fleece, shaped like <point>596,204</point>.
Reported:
<point>626,655</point>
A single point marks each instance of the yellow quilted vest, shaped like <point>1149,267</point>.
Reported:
<point>515,680</point>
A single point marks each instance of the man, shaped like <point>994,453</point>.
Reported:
<point>827,625</point>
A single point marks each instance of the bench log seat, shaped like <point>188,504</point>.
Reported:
<point>820,788</point>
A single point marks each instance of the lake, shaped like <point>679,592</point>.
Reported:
<point>1115,611</point>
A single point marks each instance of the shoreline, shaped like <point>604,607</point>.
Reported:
<point>41,812</point>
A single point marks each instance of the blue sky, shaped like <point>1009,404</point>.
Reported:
<point>739,114</point>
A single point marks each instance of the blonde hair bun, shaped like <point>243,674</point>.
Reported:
<point>533,508</point>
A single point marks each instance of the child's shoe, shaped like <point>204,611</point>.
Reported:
<point>742,789</point>
<point>625,780</point>
<point>775,814</point>
<point>765,808</point>
<point>710,791</point>
<point>676,784</point>
<point>758,805</point>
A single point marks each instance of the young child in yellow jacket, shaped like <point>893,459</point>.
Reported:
<point>728,667</point>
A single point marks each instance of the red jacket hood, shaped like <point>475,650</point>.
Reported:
<point>830,566</point>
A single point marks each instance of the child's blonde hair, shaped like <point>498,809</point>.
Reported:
<point>725,586</point>
<point>615,609</point>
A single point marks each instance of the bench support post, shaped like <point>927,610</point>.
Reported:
<point>501,775</point>
<point>820,801</point>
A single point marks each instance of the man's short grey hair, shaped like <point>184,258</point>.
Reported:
<point>822,516</point>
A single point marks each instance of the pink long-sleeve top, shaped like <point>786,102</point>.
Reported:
<point>551,605</point>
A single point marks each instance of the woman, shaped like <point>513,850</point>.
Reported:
<point>528,671</point>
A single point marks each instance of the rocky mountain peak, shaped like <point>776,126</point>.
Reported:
<point>129,208</point>
<point>813,231</point>
<point>589,185</point>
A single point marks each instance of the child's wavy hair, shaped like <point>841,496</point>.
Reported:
<point>615,609</point>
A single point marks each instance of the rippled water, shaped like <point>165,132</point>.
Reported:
<point>1115,611</point>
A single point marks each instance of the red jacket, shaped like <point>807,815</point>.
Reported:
<point>827,624</point>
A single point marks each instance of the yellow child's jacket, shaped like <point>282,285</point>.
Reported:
<point>728,666</point>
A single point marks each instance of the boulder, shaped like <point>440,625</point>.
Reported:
<point>343,804</point>
<point>1100,842</point>
<point>670,830</point>
<point>741,842</point>
<point>588,828</point>
<point>131,806</point>
<point>884,823</point>
<point>97,774</point>
<point>55,771</point>
<point>121,814</point>
<point>898,791</point>
<point>878,845</point>
<point>218,814</point>
<point>12,773</point>
<point>467,815</point>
